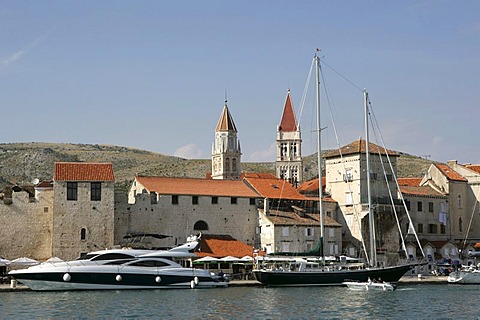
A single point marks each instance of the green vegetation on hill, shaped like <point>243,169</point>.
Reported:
<point>20,163</point>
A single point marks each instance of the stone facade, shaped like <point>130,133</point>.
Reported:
<point>27,225</point>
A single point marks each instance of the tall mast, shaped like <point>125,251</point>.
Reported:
<point>319,152</point>
<point>371,218</point>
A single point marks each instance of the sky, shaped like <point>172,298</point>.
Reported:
<point>154,75</point>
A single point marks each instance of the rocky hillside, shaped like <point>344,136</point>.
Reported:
<point>21,163</point>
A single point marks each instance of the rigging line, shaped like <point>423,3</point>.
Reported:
<point>343,77</point>
<point>332,119</point>
<point>374,119</point>
<point>305,91</point>
<point>471,220</point>
<point>390,191</point>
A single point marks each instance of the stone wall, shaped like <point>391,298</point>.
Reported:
<point>26,226</point>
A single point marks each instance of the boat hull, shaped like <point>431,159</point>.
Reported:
<point>369,286</point>
<point>464,277</point>
<point>96,280</point>
<point>328,278</point>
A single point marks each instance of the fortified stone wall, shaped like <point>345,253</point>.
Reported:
<point>26,226</point>
<point>158,215</point>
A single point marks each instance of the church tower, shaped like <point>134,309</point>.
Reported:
<point>226,153</point>
<point>289,163</point>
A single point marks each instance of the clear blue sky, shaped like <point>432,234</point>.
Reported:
<point>153,74</point>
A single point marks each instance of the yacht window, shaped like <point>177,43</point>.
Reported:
<point>150,263</point>
<point>120,261</point>
<point>112,256</point>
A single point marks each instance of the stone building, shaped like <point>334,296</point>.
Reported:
<point>289,163</point>
<point>83,211</point>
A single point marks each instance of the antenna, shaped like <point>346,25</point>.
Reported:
<point>226,96</point>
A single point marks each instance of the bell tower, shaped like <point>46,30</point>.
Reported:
<point>226,152</point>
<point>289,163</point>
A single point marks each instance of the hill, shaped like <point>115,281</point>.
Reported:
<point>20,163</point>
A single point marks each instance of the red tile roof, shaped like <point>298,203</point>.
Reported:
<point>311,186</point>
<point>474,167</point>
<point>192,186</point>
<point>225,122</point>
<point>275,188</point>
<point>83,171</point>
<point>413,182</point>
<point>288,123</point>
<point>359,146</point>
<point>219,246</point>
<point>449,172</point>
<point>420,191</point>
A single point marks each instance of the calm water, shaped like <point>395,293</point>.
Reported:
<point>407,302</point>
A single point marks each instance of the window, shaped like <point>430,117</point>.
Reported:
<point>286,247</point>
<point>233,200</point>
<point>432,228</point>
<point>95,191</point>
<point>309,232</point>
<point>348,176</point>
<point>420,228</point>
<point>329,214</point>
<point>83,234</point>
<point>153,197</point>
<point>430,207</point>
<point>460,224</point>
<point>331,232</point>
<point>442,229</point>
<point>348,199</point>
<point>285,231</point>
<point>200,226</point>
<point>459,202</point>
<point>72,188</point>
<point>419,206</point>
<point>214,200</point>
<point>408,204</point>
<point>194,200</point>
<point>252,201</point>
<point>45,209</point>
<point>174,199</point>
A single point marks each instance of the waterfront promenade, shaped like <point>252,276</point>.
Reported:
<point>253,283</point>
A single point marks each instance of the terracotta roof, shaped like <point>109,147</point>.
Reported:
<point>219,246</point>
<point>288,123</point>
<point>192,186</point>
<point>225,122</point>
<point>311,186</point>
<point>474,167</point>
<point>449,172</point>
<point>420,191</point>
<point>412,182</point>
<point>275,188</point>
<point>83,171</point>
<point>359,146</point>
<point>258,175</point>
<point>292,218</point>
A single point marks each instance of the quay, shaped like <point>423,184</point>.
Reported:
<point>253,283</point>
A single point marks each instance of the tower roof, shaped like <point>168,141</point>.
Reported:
<point>288,122</point>
<point>225,123</point>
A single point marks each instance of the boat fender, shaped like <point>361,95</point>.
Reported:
<point>158,279</point>
<point>196,280</point>
<point>67,277</point>
<point>192,284</point>
<point>118,278</point>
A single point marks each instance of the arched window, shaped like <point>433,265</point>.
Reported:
<point>459,202</point>
<point>234,164</point>
<point>83,234</point>
<point>227,164</point>
<point>200,226</point>
<point>460,224</point>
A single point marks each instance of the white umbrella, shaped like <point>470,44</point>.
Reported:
<point>206,259</point>
<point>246,259</point>
<point>229,259</point>
<point>54,260</point>
<point>24,261</point>
<point>4,262</point>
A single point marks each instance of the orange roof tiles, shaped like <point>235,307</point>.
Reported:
<point>413,182</point>
<point>311,186</point>
<point>83,171</point>
<point>288,123</point>
<point>359,146</point>
<point>420,191</point>
<point>192,186</point>
<point>449,172</point>
<point>275,188</point>
<point>219,246</point>
<point>474,167</point>
<point>225,122</point>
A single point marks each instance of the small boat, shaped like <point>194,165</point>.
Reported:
<point>369,286</point>
<point>120,269</point>
<point>466,275</point>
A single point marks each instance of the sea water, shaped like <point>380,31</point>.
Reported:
<point>418,301</point>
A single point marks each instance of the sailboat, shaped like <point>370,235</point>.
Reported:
<point>298,272</point>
